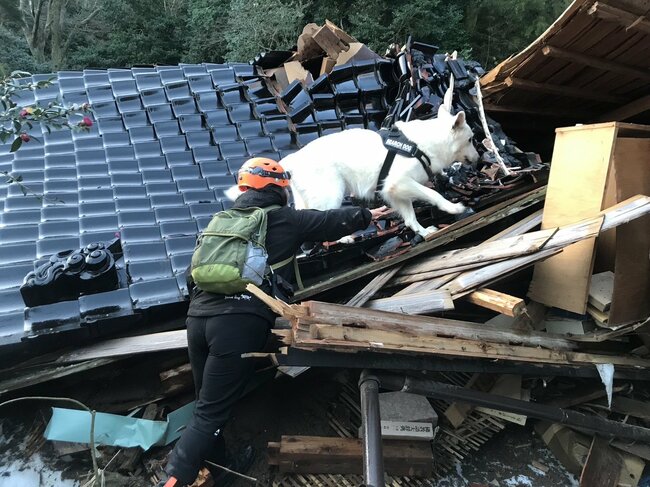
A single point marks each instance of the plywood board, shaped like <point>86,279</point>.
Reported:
<point>601,290</point>
<point>576,188</point>
<point>631,298</point>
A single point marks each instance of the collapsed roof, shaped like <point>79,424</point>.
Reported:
<point>114,230</point>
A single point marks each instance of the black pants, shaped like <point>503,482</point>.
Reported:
<point>220,376</point>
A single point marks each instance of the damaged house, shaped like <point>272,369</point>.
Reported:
<point>532,306</point>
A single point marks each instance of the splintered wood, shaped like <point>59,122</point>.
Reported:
<point>388,324</point>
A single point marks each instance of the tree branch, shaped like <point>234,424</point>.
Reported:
<point>76,27</point>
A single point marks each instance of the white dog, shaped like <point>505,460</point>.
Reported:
<point>349,162</point>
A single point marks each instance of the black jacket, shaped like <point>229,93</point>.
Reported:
<point>287,230</point>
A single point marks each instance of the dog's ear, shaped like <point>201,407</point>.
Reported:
<point>443,111</point>
<point>459,120</point>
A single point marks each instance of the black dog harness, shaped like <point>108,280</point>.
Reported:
<point>397,143</point>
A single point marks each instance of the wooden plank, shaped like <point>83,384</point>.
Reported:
<point>341,338</point>
<point>579,169</point>
<point>30,376</point>
<point>438,239</point>
<point>620,16</point>
<point>415,326</point>
<point>326,65</point>
<point>436,281</point>
<point>600,317</point>
<point>627,111</point>
<point>497,301</point>
<point>370,289</point>
<point>603,465</point>
<point>624,212</point>
<point>416,303</point>
<point>601,290</point>
<point>566,91</point>
<point>471,280</point>
<point>295,71</point>
<point>499,249</point>
<point>356,52</point>
<point>537,111</point>
<point>457,412</point>
<point>121,347</point>
<point>313,454</point>
<point>428,276</point>
<point>631,294</point>
<point>329,42</point>
<point>596,62</point>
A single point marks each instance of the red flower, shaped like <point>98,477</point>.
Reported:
<point>87,122</point>
<point>25,137</point>
<point>24,113</point>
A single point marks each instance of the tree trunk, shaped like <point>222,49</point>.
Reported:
<point>57,18</point>
<point>34,29</point>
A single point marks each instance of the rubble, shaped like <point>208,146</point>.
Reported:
<point>456,318</point>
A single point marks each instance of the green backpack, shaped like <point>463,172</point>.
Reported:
<point>231,252</point>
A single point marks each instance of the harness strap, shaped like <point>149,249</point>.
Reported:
<point>296,270</point>
<point>385,169</point>
<point>397,143</point>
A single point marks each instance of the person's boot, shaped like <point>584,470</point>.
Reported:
<point>169,481</point>
<point>240,463</point>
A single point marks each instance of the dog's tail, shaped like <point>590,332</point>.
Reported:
<point>232,193</point>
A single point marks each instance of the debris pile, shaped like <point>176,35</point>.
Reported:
<point>332,79</point>
<point>462,317</point>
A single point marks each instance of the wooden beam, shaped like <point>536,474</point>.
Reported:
<point>614,14</point>
<point>370,289</point>
<point>567,91</point>
<point>519,228</point>
<point>315,454</point>
<point>416,303</point>
<point>109,350</point>
<point>345,338</point>
<point>496,301</point>
<point>595,62</point>
<point>603,465</point>
<point>627,111</point>
<point>329,42</point>
<point>418,326</point>
<point>485,253</point>
<point>537,111</point>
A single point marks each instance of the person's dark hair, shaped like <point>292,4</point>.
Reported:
<point>267,196</point>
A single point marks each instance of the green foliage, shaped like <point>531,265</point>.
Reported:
<point>15,54</point>
<point>255,26</point>
<point>499,28</point>
<point>206,31</point>
<point>379,23</point>
<point>135,32</point>
<point>123,33</point>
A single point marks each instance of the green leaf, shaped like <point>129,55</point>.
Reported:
<point>16,145</point>
<point>17,125</point>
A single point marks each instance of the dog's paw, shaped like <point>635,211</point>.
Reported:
<point>429,230</point>
<point>347,240</point>
<point>455,208</point>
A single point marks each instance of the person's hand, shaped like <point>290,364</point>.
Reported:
<point>379,213</point>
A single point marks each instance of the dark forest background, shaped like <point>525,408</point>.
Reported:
<point>52,35</point>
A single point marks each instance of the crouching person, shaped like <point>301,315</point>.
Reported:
<point>224,321</point>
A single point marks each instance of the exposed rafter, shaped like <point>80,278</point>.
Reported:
<point>560,90</point>
<point>595,62</point>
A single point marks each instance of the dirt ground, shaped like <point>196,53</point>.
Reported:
<point>280,407</point>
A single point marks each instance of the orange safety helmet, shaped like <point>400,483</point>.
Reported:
<point>259,172</point>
